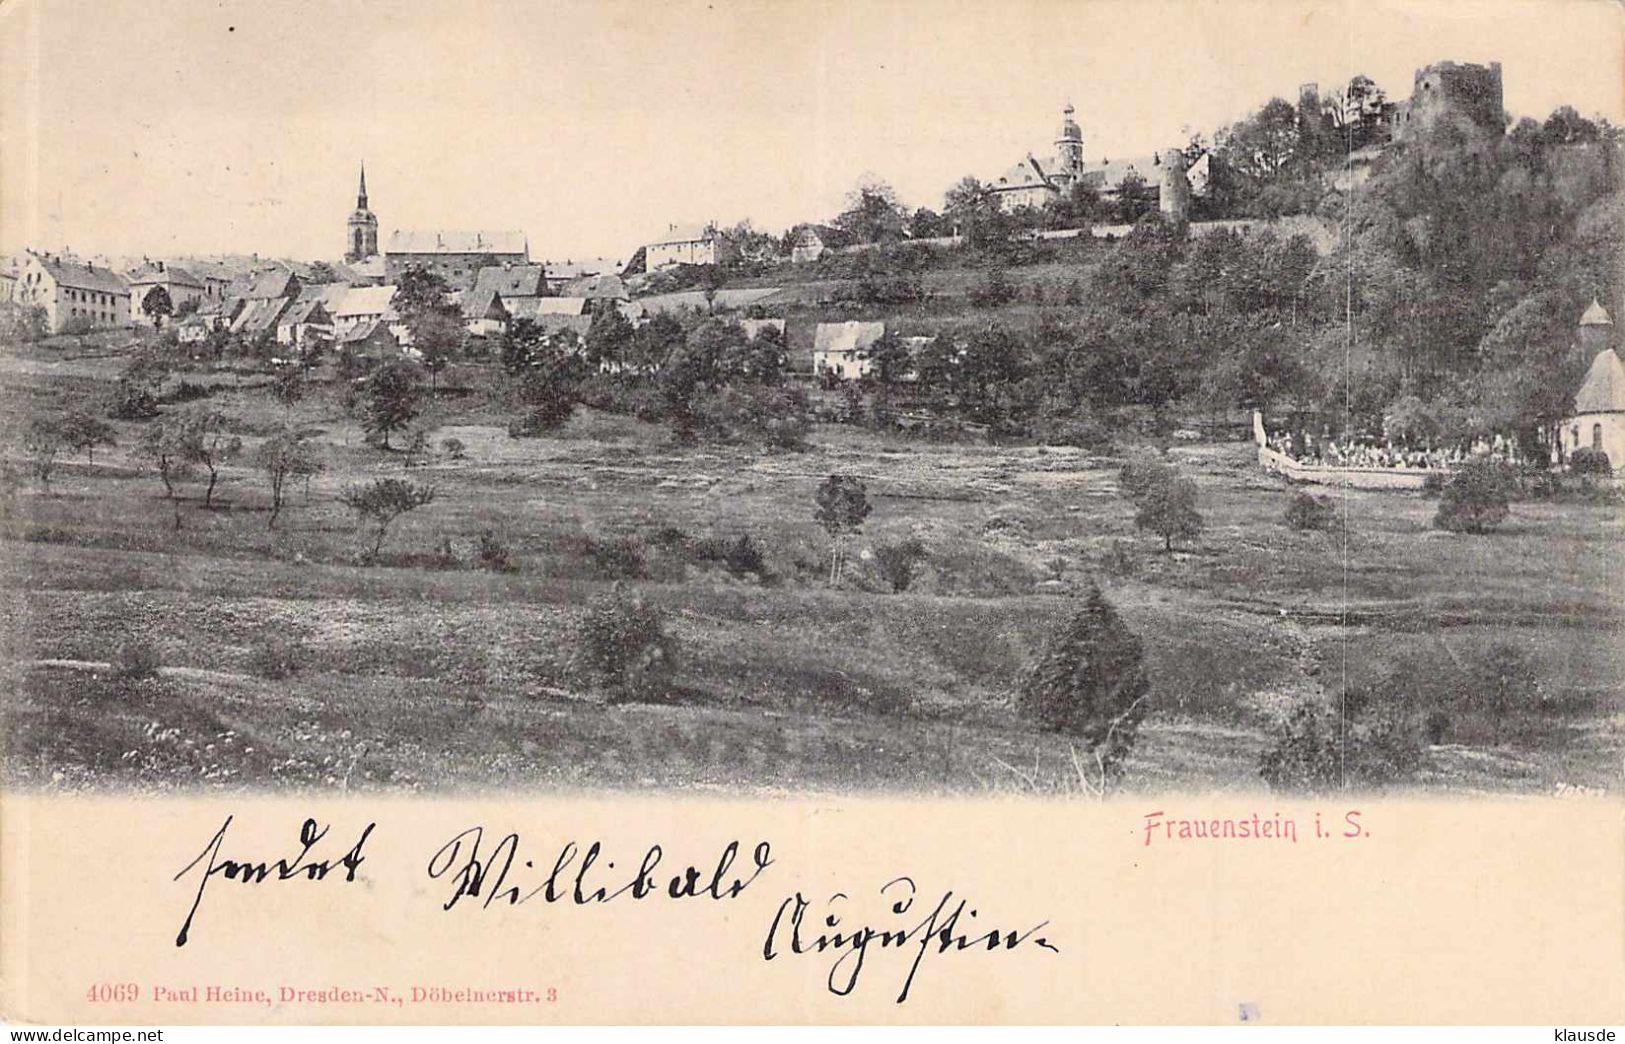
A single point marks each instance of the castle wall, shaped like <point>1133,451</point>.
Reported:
<point>1445,88</point>
<point>1174,199</point>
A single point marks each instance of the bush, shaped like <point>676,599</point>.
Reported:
<point>898,562</point>
<point>993,291</point>
<point>21,323</point>
<point>1089,682</point>
<point>1136,478</point>
<point>187,391</point>
<point>1380,744</point>
<point>1307,512</point>
<point>1506,684</point>
<point>1436,726</point>
<point>781,417</point>
<point>453,447</point>
<point>741,556</point>
<point>1474,500</point>
<point>278,658</point>
<point>540,420</point>
<point>623,642</point>
<point>1120,558</point>
<point>417,448</point>
<point>614,395</point>
<point>1089,434</point>
<point>1168,508</point>
<point>668,538</point>
<point>132,402</point>
<point>136,660</point>
<point>493,554</point>
<point>382,502</point>
<point>744,558</point>
<point>1432,484</point>
<point>1304,755</point>
<point>78,325</point>
<point>619,558</point>
<point>1588,461</point>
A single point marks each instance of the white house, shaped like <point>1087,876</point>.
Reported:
<point>687,245</point>
<point>73,290</point>
<point>358,306</point>
<point>1599,407</point>
<point>305,323</point>
<point>842,349</point>
<point>180,285</point>
<point>811,242</point>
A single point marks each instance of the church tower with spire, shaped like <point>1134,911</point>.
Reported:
<point>362,228</point>
<point>1069,147</point>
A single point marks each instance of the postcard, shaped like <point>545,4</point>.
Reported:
<point>812,511</point>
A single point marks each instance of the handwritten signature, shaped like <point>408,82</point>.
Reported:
<point>300,867</point>
<point>940,932</point>
<point>495,875</point>
<point>478,872</point>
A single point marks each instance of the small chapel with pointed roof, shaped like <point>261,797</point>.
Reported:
<point>1598,421</point>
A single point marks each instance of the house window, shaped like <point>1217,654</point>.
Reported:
<point>1596,436</point>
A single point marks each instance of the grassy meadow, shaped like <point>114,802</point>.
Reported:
<point>426,671</point>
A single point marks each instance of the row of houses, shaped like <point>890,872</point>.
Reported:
<point>278,304</point>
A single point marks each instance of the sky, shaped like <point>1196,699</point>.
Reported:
<point>169,127</point>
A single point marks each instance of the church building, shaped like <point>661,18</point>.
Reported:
<point>1036,181</point>
<point>1599,408</point>
<point>362,228</point>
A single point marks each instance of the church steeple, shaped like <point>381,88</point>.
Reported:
<point>361,231</point>
<point>1069,145</point>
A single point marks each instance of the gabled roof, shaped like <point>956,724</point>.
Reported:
<point>171,274</point>
<point>368,331</point>
<point>484,304</point>
<point>363,300</point>
<point>828,235</point>
<point>367,270</point>
<point>216,271</point>
<point>846,337</point>
<point>1107,174</point>
<point>1603,390</point>
<point>278,282</point>
<point>83,277</point>
<point>684,234</point>
<point>1029,173</point>
<point>511,280</point>
<point>555,323</point>
<point>574,268</point>
<point>606,287</point>
<point>531,307</point>
<point>304,310</point>
<point>456,241</point>
<point>329,294</point>
<point>260,314</point>
<point>1596,315</point>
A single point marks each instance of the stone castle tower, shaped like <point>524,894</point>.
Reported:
<point>362,228</point>
<point>1446,88</point>
<point>1174,197</point>
<point>1069,147</point>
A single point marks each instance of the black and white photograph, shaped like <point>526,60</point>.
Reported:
<point>812,512</point>
<point>1057,400</point>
